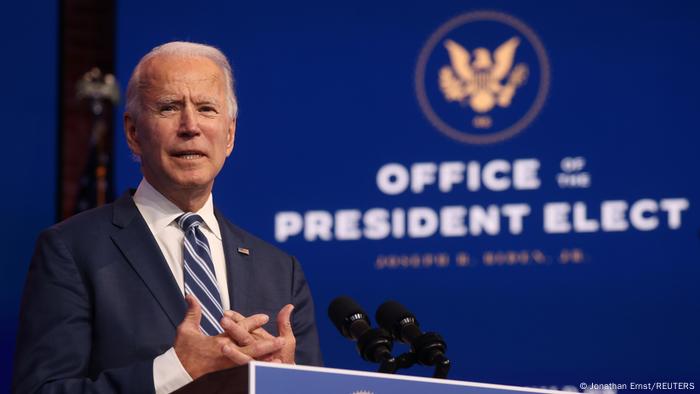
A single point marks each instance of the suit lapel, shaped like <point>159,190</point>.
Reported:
<point>142,252</point>
<point>237,265</point>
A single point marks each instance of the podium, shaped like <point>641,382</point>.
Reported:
<point>266,378</point>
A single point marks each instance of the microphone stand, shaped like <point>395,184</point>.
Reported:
<point>409,359</point>
<point>388,364</point>
<point>442,367</point>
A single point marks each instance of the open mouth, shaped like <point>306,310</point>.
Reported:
<point>189,155</point>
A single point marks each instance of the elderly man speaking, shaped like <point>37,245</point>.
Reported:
<point>158,288</point>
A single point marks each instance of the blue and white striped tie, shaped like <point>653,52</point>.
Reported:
<point>200,277</point>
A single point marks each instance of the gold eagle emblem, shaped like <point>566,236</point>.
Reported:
<point>483,82</point>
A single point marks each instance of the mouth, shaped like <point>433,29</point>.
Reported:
<point>189,154</point>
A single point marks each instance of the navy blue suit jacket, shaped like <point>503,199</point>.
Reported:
<point>100,302</point>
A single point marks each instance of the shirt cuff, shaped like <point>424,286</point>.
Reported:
<point>168,373</point>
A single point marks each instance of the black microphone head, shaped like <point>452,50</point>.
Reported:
<point>392,316</point>
<point>428,347</point>
<point>343,311</point>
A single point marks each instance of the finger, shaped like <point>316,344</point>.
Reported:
<point>193,316</point>
<point>235,355</point>
<point>272,358</point>
<point>237,333</point>
<point>284,321</point>
<point>263,347</point>
<point>254,322</point>
<point>260,332</point>
<point>250,323</point>
<point>269,358</point>
<point>234,315</point>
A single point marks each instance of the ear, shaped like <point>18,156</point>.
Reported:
<point>230,137</point>
<point>131,136</point>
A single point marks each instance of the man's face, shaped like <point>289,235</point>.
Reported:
<point>183,132</point>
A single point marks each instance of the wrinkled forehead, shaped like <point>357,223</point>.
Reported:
<point>171,71</point>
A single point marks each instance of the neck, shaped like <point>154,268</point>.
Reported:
<point>187,199</point>
<point>188,202</point>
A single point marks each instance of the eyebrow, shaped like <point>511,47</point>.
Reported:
<point>168,100</point>
<point>202,100</point>
<point>198,101</point>
<point>205,100</point>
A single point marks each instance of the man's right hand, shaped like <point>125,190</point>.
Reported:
<point>200,354</point>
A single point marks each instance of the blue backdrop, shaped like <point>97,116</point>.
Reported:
<point>28,109</point>
<point>598,284</point>
<point>331,93</point>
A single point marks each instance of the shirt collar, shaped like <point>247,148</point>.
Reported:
<point>159,212</point>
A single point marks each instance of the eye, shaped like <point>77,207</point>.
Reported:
<point>208,109</point>
<point>167,108</point>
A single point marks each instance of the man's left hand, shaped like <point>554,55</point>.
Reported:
<point>284,328</point>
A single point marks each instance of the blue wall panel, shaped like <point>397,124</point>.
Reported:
<point>28,112</point>
<point>328,96</point>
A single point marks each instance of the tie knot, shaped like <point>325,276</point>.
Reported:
<point>189,221</point>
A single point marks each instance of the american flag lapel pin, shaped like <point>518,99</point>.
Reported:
<point>244,251</point>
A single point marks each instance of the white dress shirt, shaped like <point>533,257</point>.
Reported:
<point>160,214</point>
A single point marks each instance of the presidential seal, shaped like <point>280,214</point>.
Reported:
<point>482,77</point>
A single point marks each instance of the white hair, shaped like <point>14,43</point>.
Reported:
<point>182,49</point>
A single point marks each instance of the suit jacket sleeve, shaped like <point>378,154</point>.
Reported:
<point>54,339</point>
<point>308,351</point>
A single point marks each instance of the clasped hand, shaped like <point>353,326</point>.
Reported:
<point>242,341</point>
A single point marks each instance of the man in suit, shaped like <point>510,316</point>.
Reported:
<point>158,288</point>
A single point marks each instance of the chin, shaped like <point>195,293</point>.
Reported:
<point>194,184</point>
<point>191,181</point>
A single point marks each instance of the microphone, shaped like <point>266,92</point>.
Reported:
<point>429,347</point>
<point>373,344</point>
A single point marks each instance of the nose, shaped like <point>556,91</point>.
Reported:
<point>188,122</point>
